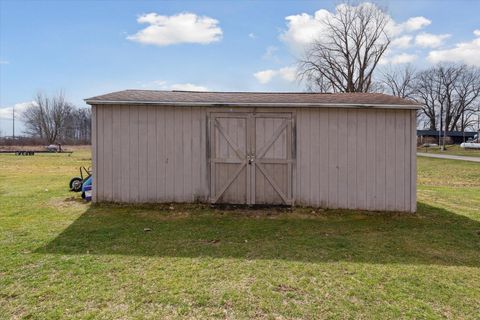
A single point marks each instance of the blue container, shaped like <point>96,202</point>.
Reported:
<point>87,182</point>
<point>88,192</point>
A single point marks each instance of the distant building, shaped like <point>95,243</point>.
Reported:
<point>452,137</point>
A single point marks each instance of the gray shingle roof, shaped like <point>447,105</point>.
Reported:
<point>251,98</point>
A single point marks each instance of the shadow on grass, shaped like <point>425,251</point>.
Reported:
<point>432,236</point>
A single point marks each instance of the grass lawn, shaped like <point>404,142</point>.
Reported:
<point>451,149</point>
<point>62,258</point>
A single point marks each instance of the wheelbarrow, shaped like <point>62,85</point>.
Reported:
<point>76,183</point>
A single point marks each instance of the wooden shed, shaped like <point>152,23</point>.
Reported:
<point>344,150</point>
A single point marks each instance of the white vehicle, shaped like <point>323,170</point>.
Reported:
<point>54,148</point>
<point>472,143</point>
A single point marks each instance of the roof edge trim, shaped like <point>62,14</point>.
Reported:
<point>248,104</point>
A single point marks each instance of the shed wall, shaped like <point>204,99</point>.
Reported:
<point>345,158</point>
<point>149,154</point>
<point>356,159</point>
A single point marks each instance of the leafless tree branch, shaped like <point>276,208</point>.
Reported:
<point>345,57</point>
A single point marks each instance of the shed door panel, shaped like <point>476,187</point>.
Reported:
<point>272,165</point>
<point>228,135</point>
<point>251,158</point>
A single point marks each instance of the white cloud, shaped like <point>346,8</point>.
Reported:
<point>303,28</point>
<point>160,83</point>
<point>188,87</point>
<point>164,85</point>
<point>402,42</point>
<point>7,113</point>
<point>399,58</point>
<point>179,28</point>
<point>270,52</point>
<point>414,24</point>
<point>429,40</point>
<point>252,35</point>
<point>4,62</point>
<point>264,76</point>
<point>403,58</point>
<point>466,52</point>
<point>288,74</point>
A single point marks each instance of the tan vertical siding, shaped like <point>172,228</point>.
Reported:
<point>399,144</point>
<point>390,148</point>
<point>407,159</point>
<point>116,149</point>
<point>324,145</point>
<point>345,158</point>
<point>143,154</point>
<point>356,159</point>
<point>370,149</point>
<point>380,160</point>
<point>107,156</point>
<point>161,158</point>
<point>149,154</point>
<point>342,164</point>
<point>371,169</point>
<point>124,154</point>
<point>361,160</point>
<point>303,157</point>
<point>94,152</point>
<point>133,157</point>
<point>100,156</point>
<point>169,154</point>
<point>333,137</point>
<point>351,151</point>
<point>197,149</point>
<point>413,161</point>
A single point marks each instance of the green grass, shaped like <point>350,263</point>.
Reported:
<point>452,150</point>
<point>62,258</point>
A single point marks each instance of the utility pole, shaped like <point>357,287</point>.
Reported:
<point>478,124</point>
<point>478,118</point>
<point>13,118</point>
<point>440,127</point>
<point>444,136</point>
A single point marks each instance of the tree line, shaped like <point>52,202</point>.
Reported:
<point>449,93</point>
<point>55,120</point>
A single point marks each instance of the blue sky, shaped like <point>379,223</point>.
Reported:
<point>86,48</point>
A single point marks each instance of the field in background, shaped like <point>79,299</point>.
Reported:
<point>451,149</point>
<point>63,258</point>
<point>79,148</point>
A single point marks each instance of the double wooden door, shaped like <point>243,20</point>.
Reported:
<point>251,158</point>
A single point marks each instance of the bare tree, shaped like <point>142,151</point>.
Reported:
<point>425,92</point>
<point>467,92</point>
<point>46,117</point>
<point>345,56</point>
<point>399,82</point>
<point>78,126</point>
<point>450,95</point>
<point>447,79</point>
